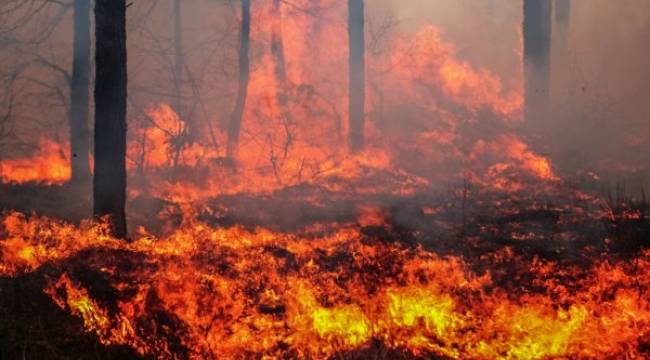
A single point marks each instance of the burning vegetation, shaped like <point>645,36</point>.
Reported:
<point>308,180</point>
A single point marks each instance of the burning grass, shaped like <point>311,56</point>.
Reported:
<point>364,260</point>
<point>49,165</point>
<point>341,290</point>
<point>297,249</point>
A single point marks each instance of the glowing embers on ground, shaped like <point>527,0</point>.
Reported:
<point>230,293</point>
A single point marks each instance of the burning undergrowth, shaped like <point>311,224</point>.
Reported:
<point>294,247</point>
<point>481,275</point>
<point>431,115</point>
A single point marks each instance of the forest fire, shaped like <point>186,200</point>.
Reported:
<point>321,179</point>
<point>203,291</point>
<point>50,165</point>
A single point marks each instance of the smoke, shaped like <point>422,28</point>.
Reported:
<point>600,80</point>
<point>601,87</point>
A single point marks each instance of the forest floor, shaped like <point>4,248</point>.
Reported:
<point>458,221</point>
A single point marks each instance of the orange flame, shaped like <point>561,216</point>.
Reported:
<point>49,165</point>
<point>427,68</point>
<point>236,292</point>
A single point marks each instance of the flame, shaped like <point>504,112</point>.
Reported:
<point>49,165</point>
<point>283,145</point>
<point>159,144</point>
<point>96,319</point>
<point>234,292</point>
<point>198,291</point>
<point>536,164</point>
<point>304,140</point>
<point>427,68</point>
<point>509,161</point>
<point>152,150</point>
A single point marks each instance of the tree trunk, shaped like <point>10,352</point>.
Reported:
<point>179,62</point>
<point>562,17</point>
<point>244,73</point>
<point>110,114</point>
<point>279,63</point>
<point>562,12</point>
<point>356,21</point>
<point>537,58</point>
<point>80,95</point>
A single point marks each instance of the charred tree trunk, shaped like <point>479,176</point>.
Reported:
<point>80,95</point>
<point>279,63</point>
<point>110,114</point>
<point>537,58</point>
<point>356,22</point>
<point>234,126</point>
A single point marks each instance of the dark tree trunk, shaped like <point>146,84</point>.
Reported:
<point>356,21</point>
<point>279,63</point>
<point>537,58</point>
<point>244,73</point>
<point>110,114</point>
<point>80,95</point>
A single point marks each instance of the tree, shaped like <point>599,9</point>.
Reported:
<point>109,183</point>
<point>79,94</point>
<point>562,11</point>
<point>357,88</point>
<point>537,58</point>
<point>177,74</point>
<point>178,56</point>
<point>234,126</point>
<point>279,63</point>
<point>562,17</point>
<point>74,92</point>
